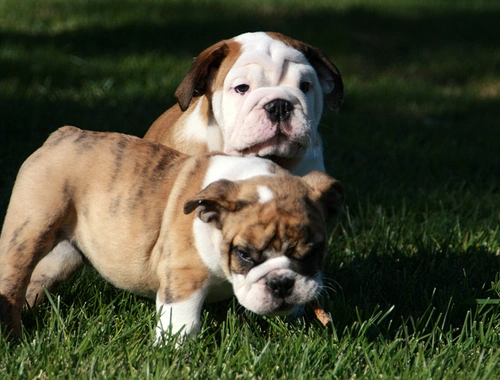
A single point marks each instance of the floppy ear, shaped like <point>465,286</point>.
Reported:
<point>326,190</point>
<point>328,74</point>
<point>195,82</point>
<point>214,202</point>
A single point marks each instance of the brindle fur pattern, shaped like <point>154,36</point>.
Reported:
<point>125,205</point>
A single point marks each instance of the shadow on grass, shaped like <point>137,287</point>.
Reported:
<point>425,289</point>
<point>186,29</point>
<point>363,43</point>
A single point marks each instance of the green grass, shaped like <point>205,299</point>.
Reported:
<point>412,275</point>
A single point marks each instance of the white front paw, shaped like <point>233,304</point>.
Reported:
<point>179,318</point>
<point>168,329</point>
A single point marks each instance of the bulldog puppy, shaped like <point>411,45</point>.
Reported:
<point>157,222</point>
<point>258,94</point>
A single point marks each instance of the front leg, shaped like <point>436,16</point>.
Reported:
<point>182,316</point>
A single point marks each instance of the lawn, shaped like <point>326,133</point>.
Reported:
<point>412,274</point>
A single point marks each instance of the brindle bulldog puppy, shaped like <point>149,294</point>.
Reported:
<point>182,229</point>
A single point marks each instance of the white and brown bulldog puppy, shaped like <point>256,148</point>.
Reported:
<point>163,224</point>
<point>258,94</point>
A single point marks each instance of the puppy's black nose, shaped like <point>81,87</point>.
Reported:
<point>279,110</point>
<point>281,286</point>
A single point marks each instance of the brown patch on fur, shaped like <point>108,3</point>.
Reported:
<point>205,76</point>
<point>181,260</point>
<point>325,68</point>
<point>214,62</point>
<point>218,77</point>
<point>168,129</point>
<point>191,268</point>
<point>293,222</point>
<point>160,130</point>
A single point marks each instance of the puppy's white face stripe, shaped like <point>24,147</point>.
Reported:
<point>266,46</point>
<point>236,168</point>
<point>265,194</point>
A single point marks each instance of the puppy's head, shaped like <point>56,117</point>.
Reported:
<point>272,235</point>
<point>266,91</point>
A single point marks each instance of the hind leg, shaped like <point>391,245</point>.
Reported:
<point>30,231</point>
<point>58,266</point>
<point>22,245</point>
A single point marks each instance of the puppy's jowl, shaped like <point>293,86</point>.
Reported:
<point>156,222</point>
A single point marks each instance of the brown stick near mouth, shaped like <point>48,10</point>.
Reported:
<point>320,313</point>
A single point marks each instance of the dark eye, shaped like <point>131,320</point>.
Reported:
<point>242,88</point>
<point>304,86</point>
<point>242,254</point>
